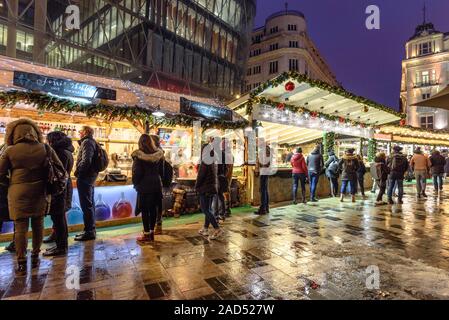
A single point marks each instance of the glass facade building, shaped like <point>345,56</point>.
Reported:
<point>196,46</point>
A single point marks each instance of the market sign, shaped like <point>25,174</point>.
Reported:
<point>202,110</point>
<point>61,87</point>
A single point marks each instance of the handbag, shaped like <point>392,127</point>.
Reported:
<point>57,176</point>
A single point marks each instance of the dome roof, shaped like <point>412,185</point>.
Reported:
<point>286,13</point>
<point>423,30</point>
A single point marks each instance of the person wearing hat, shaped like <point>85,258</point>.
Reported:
<point>398,166</point>
<point>348,166</point>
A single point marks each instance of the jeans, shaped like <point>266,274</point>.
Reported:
<point>264,196</point>
<point>297,178</point>
<point>61,230</point>
<point>334,186</point>
<point>313,178</point>
<point>392,184</point>
<point>87,203</point>
<point>382,187</point>
<point>149,206</point>
<point>21,240</point>
<point>361,183</point>
<point>438,181</point>
<point>352,186</point>
<point>420,176</point>
<point>219,205</point>
<point>206,204</point>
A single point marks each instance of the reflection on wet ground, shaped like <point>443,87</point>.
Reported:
<point>316,251</point>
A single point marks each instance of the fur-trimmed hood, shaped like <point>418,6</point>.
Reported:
<point>350,157</point>
<point>154,157</point>
<point>22,130</point>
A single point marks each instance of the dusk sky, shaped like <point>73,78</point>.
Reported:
<point>366,62</point>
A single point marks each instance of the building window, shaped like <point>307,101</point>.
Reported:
<point>292,27</point>
<point>293,44</point>
<point>293,65</point>
<point>425,96</point>
<point>257,38</point>
<point>425,78</point>
<point>257,69</point>
<point>248,72</point>
<point>273,67</point>
<point>255,53</point>
<point>274,30</point>
<point>425,48</point>
<point>427,122</point>
<point>248,87</point>
<point>274,46</point>
<point>255,85</point>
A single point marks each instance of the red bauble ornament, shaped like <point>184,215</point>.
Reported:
<point>402,122</point>
<point>289,86</point>
<point>314,114</point>
<point>341,119</point>
<point>280,106</point>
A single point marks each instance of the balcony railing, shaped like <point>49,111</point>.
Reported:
<point>426,84</point>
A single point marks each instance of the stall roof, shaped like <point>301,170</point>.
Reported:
<point>315,97</point>
<point>440,100</point>
<point>412,135</point>
<point>128,93</point>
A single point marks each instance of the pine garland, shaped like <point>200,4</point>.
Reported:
<point>47,103</point>
<point>255,99</point>
<point>372,149</point>
<point>328,144</point>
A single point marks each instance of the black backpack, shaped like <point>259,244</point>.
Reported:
<point>101,159</point>
<point>399,164</point>
<point>350,166</point>
<point>57,176</point>
<point>166,174</point>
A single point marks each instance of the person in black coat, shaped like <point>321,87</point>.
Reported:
<point>361,171</point>
<point>437,163</point>
<point>146,177</point>
<point>60,204</point>
<point>207,187</point>
<point>86,174</point>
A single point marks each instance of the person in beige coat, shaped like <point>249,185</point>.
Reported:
<point>25,162</point>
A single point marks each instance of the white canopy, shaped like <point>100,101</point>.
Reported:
<point>331,103</point>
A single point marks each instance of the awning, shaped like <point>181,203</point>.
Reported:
<point>311,108</point>
<point>411,135</point>
<point>440,100</point>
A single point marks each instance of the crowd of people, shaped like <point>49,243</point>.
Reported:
<point>29,169</point>
<point>388,173</point>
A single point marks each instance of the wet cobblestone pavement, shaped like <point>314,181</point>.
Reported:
<point>314,251</point>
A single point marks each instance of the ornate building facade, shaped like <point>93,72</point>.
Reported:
<point>425,72</point>
<point>283,44</point>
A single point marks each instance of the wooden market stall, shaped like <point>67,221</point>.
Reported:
<point>119,111</point>
<point>297,111</point>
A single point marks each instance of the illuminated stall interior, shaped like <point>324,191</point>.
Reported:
<point>124,111</point>
<point>293,110</point>
<point>410,138</point>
